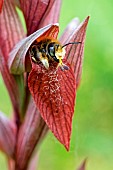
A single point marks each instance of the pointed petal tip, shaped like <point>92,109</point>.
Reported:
<point>87,18</point>
<point>85,22</point>
<point>65,143</point>
<point>67,146</point>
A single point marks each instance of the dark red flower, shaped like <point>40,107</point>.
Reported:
<point>52,88</point>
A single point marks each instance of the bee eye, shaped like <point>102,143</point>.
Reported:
<point>33,50</point>
<point>51,49</point>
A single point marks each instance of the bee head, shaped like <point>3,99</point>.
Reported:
<point>55,51</point>
<point>49,50</point>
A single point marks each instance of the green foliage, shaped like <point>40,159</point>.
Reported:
<point>93,121</point>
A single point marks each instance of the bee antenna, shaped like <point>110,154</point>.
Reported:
<point>71,43</point>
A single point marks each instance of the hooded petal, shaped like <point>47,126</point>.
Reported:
<point>31,133</point>
<point>34,11</point>
<point>74,53</point>
<point>7,135</point>
<point>11,30</point>
<point>17,56</point>
<point>54,93</point>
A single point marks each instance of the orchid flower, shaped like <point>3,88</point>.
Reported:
<point>42,87</point>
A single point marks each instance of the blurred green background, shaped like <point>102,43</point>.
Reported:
<point>92,135</point>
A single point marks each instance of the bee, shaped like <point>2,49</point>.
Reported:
<point>47,50</point>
